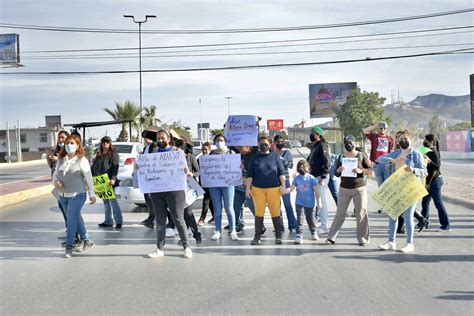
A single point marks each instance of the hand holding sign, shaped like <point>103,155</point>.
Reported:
<point>102,187</point>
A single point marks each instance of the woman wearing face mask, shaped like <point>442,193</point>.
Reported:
<point>287,160</point>
<point>107,161</point>
<point>266,184</point>
<point>353,188</point>
<point>434,183</point>
<point>73,178</point>
<point>410,160</point>
<point>172,201</point>
<point>226,194</point>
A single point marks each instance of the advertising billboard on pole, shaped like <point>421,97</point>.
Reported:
<point>9,48</point>
<point>324,98</point>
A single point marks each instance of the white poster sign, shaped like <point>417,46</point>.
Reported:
<point>220,170</point>
<point>161,172</point>
<point>193,192</point>
<point>241,130</point>
<point>349,164</point>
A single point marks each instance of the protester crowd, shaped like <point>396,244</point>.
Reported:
<point>266,183</point>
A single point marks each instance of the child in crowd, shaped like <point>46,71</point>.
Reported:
<point>306,196</point>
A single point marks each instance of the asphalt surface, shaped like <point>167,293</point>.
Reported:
<point>230,277</point>
<point>18,173</point>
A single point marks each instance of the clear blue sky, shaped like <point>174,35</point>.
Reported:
<point>269,92</point>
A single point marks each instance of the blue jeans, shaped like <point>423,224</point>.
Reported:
<point>290,214</point>
<point>110,204</point>
<point>409,225</point>
<point>333,184</point>
<point>226,194</point>
<point>435,193</point>
<point>239,201</point>
<point>323,212</point>
<point>381,173</point>
<point>72,206</point>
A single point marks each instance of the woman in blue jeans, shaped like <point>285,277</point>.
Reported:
<point>434,183</point>
<point>107,161</point>
<point>412,161</point>
<point>72,179</point>
<point>226,194</point>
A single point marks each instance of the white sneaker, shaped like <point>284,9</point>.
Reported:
<point>156,254</point>
<point>322,231</point>
<point>216,236</point>
<point>315,236</point>
<point>233,235</point>
<point>408,248</point>
<point>188,253</point>
<point>170,233</point>
<point>389,245</point>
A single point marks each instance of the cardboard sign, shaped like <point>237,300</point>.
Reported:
<point>401,190</point>
<point>349,164</point>
<point>241,130</point>
<point>161,172</point>
<point>193,192</point>
<point>102,188</point>
<point>220,170</point>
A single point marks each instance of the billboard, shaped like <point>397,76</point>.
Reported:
<point>324,98</point>
<point>9,48</point>
<point>275,125</point>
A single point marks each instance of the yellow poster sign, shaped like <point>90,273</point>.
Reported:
<point>102,188</point>
<point>401,190</point>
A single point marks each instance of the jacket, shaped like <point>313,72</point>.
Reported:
<point>319,160</point>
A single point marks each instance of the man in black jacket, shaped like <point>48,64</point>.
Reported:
<point>319,161</point>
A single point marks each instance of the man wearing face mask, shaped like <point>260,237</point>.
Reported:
<point>149,135</point>
<point>319,161</point>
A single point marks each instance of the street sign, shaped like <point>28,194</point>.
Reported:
<point>275,125</point>
<point>204,125</point>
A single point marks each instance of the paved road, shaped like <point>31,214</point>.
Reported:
<point>229,277</point>
<point>17,173</point>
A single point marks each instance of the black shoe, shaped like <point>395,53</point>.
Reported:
<point>278,241</point>
<point>198,239</point>
<point>77,246</point>
<point>118,226</point>
<point>68,253</point>
<point>104,225</point>
<point>401,230</point>
<point>226,227</point>
<point>149,224</point>
<point>255,241</point>
<point>423,225</point>
<point>210,221</point>
<point>146,220</point>
<point>87,244</point>
<point>379,211</point>
<point>264,230</point>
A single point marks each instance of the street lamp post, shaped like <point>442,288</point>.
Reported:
<point>140,59</point>
<point>228,104</point>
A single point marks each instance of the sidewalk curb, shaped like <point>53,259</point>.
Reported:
<point>20,196</point>
<point>469,204</point>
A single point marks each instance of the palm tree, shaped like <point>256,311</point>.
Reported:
<point>148,117</point>
<point>126,111</point>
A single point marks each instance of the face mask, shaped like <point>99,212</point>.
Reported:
<point>279,146</point>
<point>404,144</point>
<point>220,145</point>
<point>70,148</point>
<point>312,137</point>
<point>263,147</point>
<point>349,146</point>
<point>61,145</point>
<point>302,171</point>
<point>161,144</point>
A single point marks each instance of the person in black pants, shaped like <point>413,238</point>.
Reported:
<point>206,200</point>
<point>149,135</point>
<point>172,201</point>
<point>434,183</point>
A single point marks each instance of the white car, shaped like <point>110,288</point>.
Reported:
<point>128,152</point>
<point>125,192</point>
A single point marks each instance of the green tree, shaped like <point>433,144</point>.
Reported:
<point>126,111</point>
<point>362,109</point>
<point>179,128</point>
<point>461,126</point>
<point>436,126</point>
<point>217,131</point>
<point>147,118</point>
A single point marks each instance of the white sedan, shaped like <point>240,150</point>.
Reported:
<point>128,152</point>
<point>125,192</point>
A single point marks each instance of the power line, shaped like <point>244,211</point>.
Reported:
<point>250,54</point>
<point>439,53</point>
<point>274,41</point>
<point>242,30</point>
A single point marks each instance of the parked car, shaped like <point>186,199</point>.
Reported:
<point>125,192</point>
<point>295,144</point>
<point>128,152</point>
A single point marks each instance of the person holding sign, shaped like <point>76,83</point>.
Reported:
<point>172,200</point>
<point>266,183</point>
<point>226,194</point>
<point>350,168</point>
<point>410,160</point>
<point>72,178</point>
<point>107,161</point>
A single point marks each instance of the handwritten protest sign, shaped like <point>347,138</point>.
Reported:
<point>220,170</point>
<point>241,130</point>
<point>349,164</point>
<point>161,172</point>
<point>193,192</point>
<point>102,188</point>
<point>401,190</point>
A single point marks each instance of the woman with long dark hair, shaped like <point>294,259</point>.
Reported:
<point>107,161</point>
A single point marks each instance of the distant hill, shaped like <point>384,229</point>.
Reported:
<point>451,109</point>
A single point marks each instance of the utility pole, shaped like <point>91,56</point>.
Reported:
<point>228,104</point>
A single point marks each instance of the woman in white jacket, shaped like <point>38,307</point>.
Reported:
<point>73,179</point>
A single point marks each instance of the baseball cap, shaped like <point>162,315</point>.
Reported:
<point>349,138</point>
<point>383,125</point>
<point>318,130</point>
